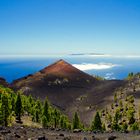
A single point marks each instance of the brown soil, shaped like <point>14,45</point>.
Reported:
<point>69,89</point>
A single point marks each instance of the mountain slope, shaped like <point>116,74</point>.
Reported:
<point>63,69</point>
<point>69,89</point>
<point>58,74</point>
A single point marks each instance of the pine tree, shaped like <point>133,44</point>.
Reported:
<point>18,108</point>
<point>39,106</point>
<point>96,124</point>
<point>130,115</point>
<point>76,121</point>
<point>44,122</point>
<point>30,103</point>
<point>115,125</point>
<point>130,75</point>
<point>36,116</point>
<point>37,111</point>
<point>62,122</point>
<point>5,110</point>
<point>46,112</point>
<point>56,117</point>
<point>13,104</point>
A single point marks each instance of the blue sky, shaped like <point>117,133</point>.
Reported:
<point>69,26</point>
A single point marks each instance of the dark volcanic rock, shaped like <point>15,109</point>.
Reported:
<point>42,138</point>
<point>112,138</point>
<point>69,89</point>
<point>17,135</point>
<point>61,135</point>
<point>4,132</point>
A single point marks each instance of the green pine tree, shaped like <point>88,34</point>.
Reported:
<point>13,104</point>
<point>117,117</point>
<point>62,121</point>
<point>18,108</point>
<point>96,124</point>
<point>36,116</point>
<point>5,109</point>
<point>46,112</point>
<point>44,122</point>
<point>56,117</point>
<point>37,111</point>
<point>76,121</point>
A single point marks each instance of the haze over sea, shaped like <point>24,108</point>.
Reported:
<point>107,66</point>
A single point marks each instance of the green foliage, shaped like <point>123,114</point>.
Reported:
<point>64,122</point>
<point>46,111</point>
<point>130,115</point>
<point>103,127</point>
<point>12,104</point>
<point>96,124</point>
<point>135,126</point>
<point>124,127</point>
<point>115,126</point>
<point>18,108</point>
<point>99,78</point>
<point>76,121</point>
<point>5,110</point>
<point>44,122</point>
<point>121,117</point>
<point>130,76</point>
<point>37,111</point>
<point>130,99</point>
<point>56,117</point>
<point>117,117</point>
<point>120,104</point>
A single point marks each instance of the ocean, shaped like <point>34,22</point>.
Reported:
<point>109,67</point>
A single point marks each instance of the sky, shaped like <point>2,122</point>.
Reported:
<point>69,26</point>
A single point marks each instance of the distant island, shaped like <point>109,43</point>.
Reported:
<point>87,54</point>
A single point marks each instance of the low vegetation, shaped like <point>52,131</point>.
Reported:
<point>13,106</point>
<point>122,115</point>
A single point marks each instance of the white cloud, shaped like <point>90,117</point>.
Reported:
<point>90,66</point>
<point>109,76</point>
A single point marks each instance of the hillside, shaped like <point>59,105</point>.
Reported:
<point>69,89</point>
<point>58,74</point>
<point>3,82</point>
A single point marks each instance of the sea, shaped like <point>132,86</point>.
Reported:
<point>106,66</point>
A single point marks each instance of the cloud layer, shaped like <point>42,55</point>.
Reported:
<point>90,66</point>
<point>109,76</point>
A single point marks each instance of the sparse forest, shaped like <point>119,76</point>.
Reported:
<point>122,115</point>
<point>13,106</point>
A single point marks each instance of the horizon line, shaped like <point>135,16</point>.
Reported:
<point>72,54</point>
